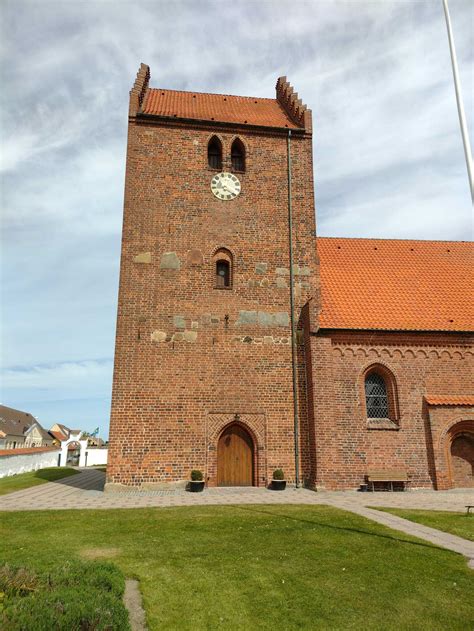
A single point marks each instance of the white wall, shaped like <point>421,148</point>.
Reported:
<point>95,456</point>
<point>10,465</point>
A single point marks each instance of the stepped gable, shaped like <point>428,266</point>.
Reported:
<point>294,106</point>
<point>137,93</point>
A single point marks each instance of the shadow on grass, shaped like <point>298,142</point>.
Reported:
<point>359,531</point>
<point>49,475</point>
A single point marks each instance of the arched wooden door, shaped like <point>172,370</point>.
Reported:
<point>235,452</point>
<point>462,460</point>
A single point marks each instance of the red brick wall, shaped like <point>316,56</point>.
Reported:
<point>345,446</point>
<point>447,424</point>
<point>168,394</point>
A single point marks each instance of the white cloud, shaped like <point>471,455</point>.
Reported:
<point>387,148</point>
<point>84,378</point>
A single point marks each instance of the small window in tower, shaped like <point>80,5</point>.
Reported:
<point>238,156</point>
<point>222,274</point>
<point>214,153</point>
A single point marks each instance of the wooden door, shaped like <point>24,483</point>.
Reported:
<point>462,460</point>
<point>235,457</point>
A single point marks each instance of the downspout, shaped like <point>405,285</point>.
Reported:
<point>294,351</point>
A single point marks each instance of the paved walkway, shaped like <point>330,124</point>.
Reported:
<point>85,490</point>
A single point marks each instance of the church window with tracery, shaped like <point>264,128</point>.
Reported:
<point>376,396</point>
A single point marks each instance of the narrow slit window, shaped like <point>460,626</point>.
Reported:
<point>238,156</point>
<point>376,396</point>
<point>222,274</point>
<point>214,153</point>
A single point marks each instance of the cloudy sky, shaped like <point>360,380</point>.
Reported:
<point>387,149</point>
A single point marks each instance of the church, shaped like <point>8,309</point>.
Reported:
<point>246,343</point>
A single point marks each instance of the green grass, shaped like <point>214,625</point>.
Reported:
<point>32,478</point>
<point>458,524</point>
<point>265,567</point>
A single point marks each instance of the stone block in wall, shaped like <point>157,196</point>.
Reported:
<point>265,319</point>
<point>190,336</point>
<point>282,319</point>
<point>281,283</point>
<point>261,268</point>
<point>143,257</point>
<point>179,322</point>
<point>158,336</point>
<point>170,260</point>
<point>282,271</point>
<point>247,317</point>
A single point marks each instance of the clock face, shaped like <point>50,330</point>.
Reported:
<point>225,186</point>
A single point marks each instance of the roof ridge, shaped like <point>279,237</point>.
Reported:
<point>392,240</point>
<point>235,96</point>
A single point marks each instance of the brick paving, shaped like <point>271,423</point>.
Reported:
<point>85,491</point>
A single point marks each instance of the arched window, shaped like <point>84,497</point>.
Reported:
<point>223,269</point>
<point>222,274</point>
<point>214,153</point>
<point>376,397</point>
<point>237,155</point>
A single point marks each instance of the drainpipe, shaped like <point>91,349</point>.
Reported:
<point>294,351</point>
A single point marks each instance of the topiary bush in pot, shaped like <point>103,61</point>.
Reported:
<point>197,481</point>
<point>278,481</point>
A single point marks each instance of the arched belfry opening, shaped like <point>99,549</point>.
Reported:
<point>237,155</point>
<point>235,457</point>
<point>214,153</point>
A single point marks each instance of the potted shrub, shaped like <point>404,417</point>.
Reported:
<point>197,481</point>
<point>278,482</point>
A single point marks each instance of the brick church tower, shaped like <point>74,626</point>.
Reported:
<point>204,370</point>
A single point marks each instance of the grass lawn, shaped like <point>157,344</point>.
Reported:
<point>32,478</point>
<point>265,567</point>
<point>458,524</point>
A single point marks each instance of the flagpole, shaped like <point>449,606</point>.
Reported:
<point>457,86</point>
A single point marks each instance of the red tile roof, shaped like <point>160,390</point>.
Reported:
<point>449,400</point>
<point>26,450</point>
<point>222,108</point>
<point>58,435</point>
<point>396,284</point>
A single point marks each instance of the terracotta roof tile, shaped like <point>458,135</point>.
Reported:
<point>26,450</point>
<point>436,399</point>
<point>392,284</point>
<point>221,108</point>
<point>58,435</point>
